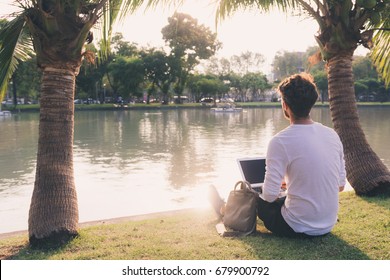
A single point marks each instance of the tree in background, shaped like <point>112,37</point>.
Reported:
<point>11,58</point>
<point>158,71</point>
<point>363,68</point>
<point>255,84</point>
<point>343,25</point>
<point>246,62</point>
<point>242,73</point>
<point>123,71</point>
<point>217,66</point>
<point>89,79</point>
<point>321,80</point>
<point>26,80</point>
<point>123,48</point>
<point>206,86</point>
<point>369,89</point>
<point>288,63</point>
<point>368,85</point>
<point>189,43</point>
<point>126,75</point>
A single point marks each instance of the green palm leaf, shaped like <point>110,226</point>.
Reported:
<point>130,6</point>
<point>117,10</point>
<point>15,46</point>
<point>227,7</point>
<point>381,51</point>
<point>110,13</point>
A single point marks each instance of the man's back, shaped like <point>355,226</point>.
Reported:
<point>311,157</point>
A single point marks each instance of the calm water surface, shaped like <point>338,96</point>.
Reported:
<point>137,162</point>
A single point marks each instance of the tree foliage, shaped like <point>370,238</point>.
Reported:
<point>363,67</point>
<point>123,48</point>
<point>246,62</point>
<point>27,80</point>
<point>206,86</point>
<point>189,43</point>
<point>158,71</point>
<point>288,63</point>
<point>127,74</point>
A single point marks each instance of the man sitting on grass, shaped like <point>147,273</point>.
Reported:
<point>307,158</point>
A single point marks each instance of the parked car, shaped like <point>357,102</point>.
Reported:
<point>367,98</point>
<point>8,102</point>
<point>207,101</point>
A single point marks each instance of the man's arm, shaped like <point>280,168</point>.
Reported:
<point>343,173</point>
<point>276,165</point>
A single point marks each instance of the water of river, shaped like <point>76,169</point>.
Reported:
<point>138,162</point>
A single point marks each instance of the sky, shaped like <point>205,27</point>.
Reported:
<point>244,31</point>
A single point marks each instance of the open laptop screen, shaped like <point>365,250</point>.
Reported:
<point>252,170</point>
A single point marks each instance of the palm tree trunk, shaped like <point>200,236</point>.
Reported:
<point>53,210</point>
<point>365,171</point>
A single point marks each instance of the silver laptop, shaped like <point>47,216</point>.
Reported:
<point>253,171</point>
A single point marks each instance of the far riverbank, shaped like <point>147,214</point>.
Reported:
<point>158,106</point>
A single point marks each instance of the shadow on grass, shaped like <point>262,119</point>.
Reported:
<point>26,252</point>
<point>330,247</point>
<point>361,233</point>
<point>264,245</point>
<point>39,248</point>
<point>380,197</point>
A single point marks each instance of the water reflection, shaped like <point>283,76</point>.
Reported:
<point>133,162</point>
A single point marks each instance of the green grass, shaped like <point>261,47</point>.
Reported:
<point>363,232</point>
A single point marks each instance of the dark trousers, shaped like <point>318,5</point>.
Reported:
<point>270,214</point>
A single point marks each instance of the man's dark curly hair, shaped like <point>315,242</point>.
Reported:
<point>300,94</point>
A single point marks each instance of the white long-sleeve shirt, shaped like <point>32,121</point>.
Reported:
<point>310,159</point>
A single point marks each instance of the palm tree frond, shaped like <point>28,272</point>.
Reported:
<point>226,8</point>
<point>130,6</point>
<point>116,10</point>
<point>15,46</point>
<point>110,12</point>
<point>380,52</point>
